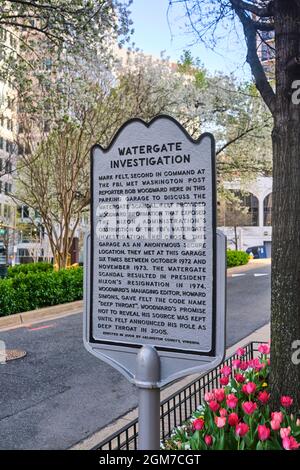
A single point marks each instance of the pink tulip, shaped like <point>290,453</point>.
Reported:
<point>236,363</point>
<point>198,424</point>
<point>290,443</point>
<point>285,432</point>
<point>263,397</point>
<point>208,440</point>
<point>219,394</point>
<point>250,388</point>
<point>249,407</point>
<point>263,432</point>
<point>298,422</point>
<point>226,370</point>
<point>239,378</point>
<point>223,412</point>
<point>275,424</point>
<point>231,400</point>
<point>256,364</point>
<point>241,352</point>
<point>244,365</point>
<point>214,406</point>
<point>220,422</point>
<point>209,396</point>
<point>233,419</point>
<point>224,381</point>
<point>264,348</point>
<point>241,429</point>
<point>286,401</point>
<point>277,416</point>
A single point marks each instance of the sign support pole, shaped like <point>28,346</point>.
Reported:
<point>146,379</point>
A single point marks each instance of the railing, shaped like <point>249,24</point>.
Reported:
<point>176,409</point>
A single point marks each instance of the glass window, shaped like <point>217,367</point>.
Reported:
<point>239,210</point>
<point>268,211</point>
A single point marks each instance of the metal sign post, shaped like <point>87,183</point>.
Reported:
<point>147,380</point>
<point>155,263</point>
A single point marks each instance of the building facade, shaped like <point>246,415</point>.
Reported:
<point>257,204</point>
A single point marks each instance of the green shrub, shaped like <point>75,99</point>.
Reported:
<point>236,258</point>
<point>29,268</point>
<point>23,292</point>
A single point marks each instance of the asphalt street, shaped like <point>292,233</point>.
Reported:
<point>59,394</point>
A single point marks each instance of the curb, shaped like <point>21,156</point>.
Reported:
<point>34,316</point>
<point>261,334</point>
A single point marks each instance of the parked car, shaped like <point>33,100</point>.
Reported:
<point>257,251</point>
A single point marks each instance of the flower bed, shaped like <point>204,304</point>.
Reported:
<point>237,415</point>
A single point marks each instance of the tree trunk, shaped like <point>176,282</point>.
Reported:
<point>285,302</point>
<point>235,237</point>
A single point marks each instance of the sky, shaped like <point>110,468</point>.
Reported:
<point>154,34</point>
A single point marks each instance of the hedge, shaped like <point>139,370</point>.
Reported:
<point>22,292</point>
<point>29,268</point>
<point>236,258</point>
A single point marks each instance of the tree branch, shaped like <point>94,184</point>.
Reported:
<point>257,69</point>
<point>263,25</point>
<point>262,12</point>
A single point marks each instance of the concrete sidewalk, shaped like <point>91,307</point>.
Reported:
<point>262,334</point>
<point>40,315</point>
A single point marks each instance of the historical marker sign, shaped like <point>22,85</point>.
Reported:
<point>152,257</point>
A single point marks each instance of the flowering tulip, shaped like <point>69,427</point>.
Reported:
<point>219,394</point>
<point>275,424</point>
<point>298,422</point>
<point>249,407</point>
<point>239,378</point>
<point>264,348</point>
<point>226,370</point>
<point>198,424</point>
<point>241,429</point>
<point>231,400</point>
<point>214,406</point>
<point>277,416</point>
<point>220,422</point>
<point>250,388</point>
<point>241,352</point>
<point>224,381</point>
<point>208,440</point>
<point>263,397</point>
<point>236,363</point>
<point>233,419</point>
<point>285,432</point>
<point>209,396</point>
<point>256,364</point>
<point>244,365</point>
<point>290,443</point>
<point>263,432</point>
<point>286,401</point>
<point>223,412</point>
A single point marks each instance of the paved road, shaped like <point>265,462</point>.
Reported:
<point>59,394</point>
